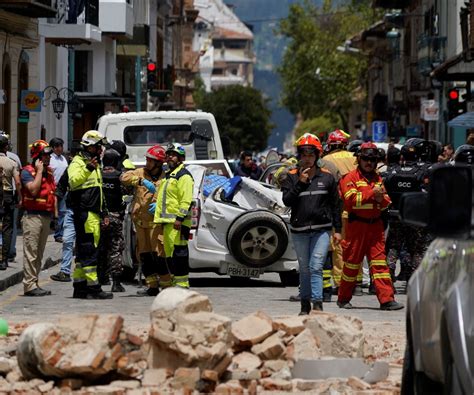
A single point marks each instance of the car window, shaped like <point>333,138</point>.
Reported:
<point>157,134</point>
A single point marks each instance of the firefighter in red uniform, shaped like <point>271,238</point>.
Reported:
<point>364,199</point>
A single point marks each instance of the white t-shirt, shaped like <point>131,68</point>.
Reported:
<point>59,165</point>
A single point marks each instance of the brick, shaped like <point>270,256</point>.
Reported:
<point>276,384</point>
<point>113,356</point>
<point>317,386</point>
<point>275,365</point>
<point>87,359</point>
<point>73,384</point>
<point>106,329</point>
<point>251,330</point>
<point>134,339</point>
<point>185,378</point>
<point>252,387</point>
<point>155,377</point>
<point>271,348</point>
<point>245,375</point>
<point>290,325</point>
<point>230,388</point>
<point>357,383</point>
<point>210,375</point>
<point>245,361</point>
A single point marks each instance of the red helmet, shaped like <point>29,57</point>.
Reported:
<point>369,149</point>
<point>338,137</point>
<point>156,152</point>
<point>309,139</point>
<point>38,148</point>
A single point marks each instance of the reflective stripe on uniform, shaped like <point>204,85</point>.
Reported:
<point>309,193</point>
<point>382,276</point>
<point>181,281</point>
<point>90,274</point>
<point>353,266</point>
<point>367,206</point>
<point>78,275</point>
<point>350,192</point>
<point>358,199</point>
<point>362,183</point>
<point>349,279</point>
<point>152,281</point>
<point>381,262</point>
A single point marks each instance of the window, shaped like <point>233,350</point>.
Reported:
<point>157,134</point>
<point>217,71</point>
<point>82,71</point>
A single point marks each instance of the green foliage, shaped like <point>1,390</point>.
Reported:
<point>320,126</point>
<point>199,91</point>
<point>317,78</point>
<point>242,115</point>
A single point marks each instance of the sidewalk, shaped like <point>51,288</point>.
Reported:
<point>14,273</point>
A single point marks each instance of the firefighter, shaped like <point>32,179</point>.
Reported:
<point>313,196</point>
<point>149,235</point>
<point>364,200</point>
<point>409,176</point>
<point>173,210</point>
<point>39,203</point>
<point>89,209</point>
<point>345,162</point>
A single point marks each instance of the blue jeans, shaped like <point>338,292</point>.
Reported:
<point>12,252</point>
<point>59,232</point>
<point>311,249</point>
<point>69,236</point>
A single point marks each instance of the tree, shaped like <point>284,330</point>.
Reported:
<point>320,126</point>
<point>242,115</point>
<point>318,78</point>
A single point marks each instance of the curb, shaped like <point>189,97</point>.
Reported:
<point>16,275</point>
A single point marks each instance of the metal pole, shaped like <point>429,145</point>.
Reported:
<point>70,128</point>
<point>138,83</point>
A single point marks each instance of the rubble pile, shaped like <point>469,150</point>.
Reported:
<point>189,349</point>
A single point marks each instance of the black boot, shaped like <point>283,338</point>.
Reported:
<point>327,294</point>
<point>95,292</point>
<point>3,264</point>
<point>80,290</point>
<point>116,286</point>
<point>305,307</point>
<point>148,292</point>
<point>318,305</point>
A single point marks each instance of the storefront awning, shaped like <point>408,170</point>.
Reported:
<point>454,69</point>
<point>465,120</point>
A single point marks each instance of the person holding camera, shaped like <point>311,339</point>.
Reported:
<point>89,210</point>
<point>39,203</point>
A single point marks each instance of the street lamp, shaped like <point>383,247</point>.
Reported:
<point>62,96</point>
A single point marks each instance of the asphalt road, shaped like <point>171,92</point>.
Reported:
<point>229,297</point>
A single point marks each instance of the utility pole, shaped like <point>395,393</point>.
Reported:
<point>138,83</point>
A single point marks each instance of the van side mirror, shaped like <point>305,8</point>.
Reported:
<point>447,208</point>
<point>202,128</point>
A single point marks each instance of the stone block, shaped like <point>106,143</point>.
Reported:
<point>46,387</point>
<point>270,384</point>
<point>290,325</point>
<point>106,330</point>
<point>357,383</point>
<point>230,388</point>
<point>210,375</point>
<point>6,365</point>
<point>127,384</point>
<point>271,348</point>
<point>251,330</point>
<point>185,378</point>
<point>155,377</point>
<point>303,346</point>
<point>81,325</point>
<point>245,361</point>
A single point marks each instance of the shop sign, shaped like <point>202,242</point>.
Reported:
<point>31,101</point>
<point>429,110</point>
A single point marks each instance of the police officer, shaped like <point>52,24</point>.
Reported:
<point>409,176</point>
<point>173,210</point>
<point>125,163</point>
<point>111,240</point>
<point>464,154</point>
<point>88,205</point>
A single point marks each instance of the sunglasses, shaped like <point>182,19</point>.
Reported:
<point>369,158</point>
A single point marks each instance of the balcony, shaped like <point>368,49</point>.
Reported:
<point>116,17</point>
<point>79,29</point>
<point>31,8</point>
<point>398,4</point>
<point>431,53</point>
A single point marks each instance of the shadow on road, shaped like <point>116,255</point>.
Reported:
<point>226,282</point>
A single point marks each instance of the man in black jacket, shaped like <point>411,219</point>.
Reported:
<point>315,205</point>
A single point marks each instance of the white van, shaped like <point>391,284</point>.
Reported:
<point>197,132</point>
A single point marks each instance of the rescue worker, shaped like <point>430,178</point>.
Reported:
<point>111,241</point>
<point>312,194</point>
<point>464,154</point>
<point>149,235</point>
<point>282,172</point>
<point>125,163</point>
<point>39,203</point>
<point>173,210</point>
<point>10,183</point>
<point>409,176</point>
<point>345,162</point>
<point>89,209</point>
<point>364,200</point>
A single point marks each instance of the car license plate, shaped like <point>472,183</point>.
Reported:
<point>242,271</point>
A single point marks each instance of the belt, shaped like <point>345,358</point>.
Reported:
<point>353,217</point>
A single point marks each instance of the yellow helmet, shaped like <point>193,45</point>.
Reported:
<point>93,137</point>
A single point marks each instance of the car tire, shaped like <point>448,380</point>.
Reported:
<point>290,279</point>
<point>257,239</point>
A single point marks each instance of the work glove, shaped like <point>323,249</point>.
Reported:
<point>149,185</point>
<point>152,208</point>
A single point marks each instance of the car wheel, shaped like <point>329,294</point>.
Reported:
<point>258,238</point>
<point>290,279</point>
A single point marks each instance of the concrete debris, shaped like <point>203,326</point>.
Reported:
<point>190,349</point>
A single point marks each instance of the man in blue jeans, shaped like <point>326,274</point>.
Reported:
<point>313,196</point>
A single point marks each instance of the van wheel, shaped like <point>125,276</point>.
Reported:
<point>258,239</point>
<point>290,279</point>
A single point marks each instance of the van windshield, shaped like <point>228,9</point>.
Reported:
<point>157,134</point>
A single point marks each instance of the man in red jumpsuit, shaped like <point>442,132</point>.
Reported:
<point>364,199</point>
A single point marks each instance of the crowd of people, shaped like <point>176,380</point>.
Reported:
<point>82,198</point>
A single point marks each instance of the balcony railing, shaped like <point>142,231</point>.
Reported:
<point>431,52</point>
<point>31,8</point>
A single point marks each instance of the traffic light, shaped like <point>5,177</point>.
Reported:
<point>456,104</point>
<point>151,76</point>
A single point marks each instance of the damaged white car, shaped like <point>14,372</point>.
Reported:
<point>241,234</point>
